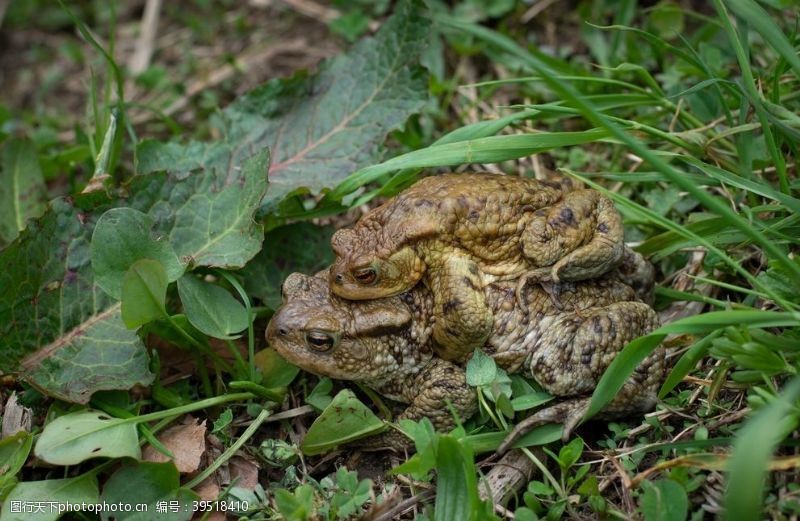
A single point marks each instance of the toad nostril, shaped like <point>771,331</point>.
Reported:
<point>339,278</point>
<point>282,332</point>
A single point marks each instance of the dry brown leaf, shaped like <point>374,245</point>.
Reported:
<point>244,472</point>
<point>186,442</point>
<point>208,490</point>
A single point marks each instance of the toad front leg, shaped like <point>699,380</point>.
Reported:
<point>463,319</point>
<point>574,352</point>
<point>434,393</point>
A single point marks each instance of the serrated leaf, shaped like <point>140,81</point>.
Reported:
<point>210,308</point>
<point>319,128</point>
<point>101,354</point>
<point>123,236</point>
<point>346,419</point>
<point>22,188</point>
<point>80,489</point>
<point>78,436</point>
<point>144,293</point>
<point>153,483</point>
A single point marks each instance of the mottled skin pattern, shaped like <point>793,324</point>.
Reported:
<point>387,344</point>
<point>383,343</point>
<point>461,232</point>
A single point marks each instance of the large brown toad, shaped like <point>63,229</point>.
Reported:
<point>461,232</point>
<point>387,345</point>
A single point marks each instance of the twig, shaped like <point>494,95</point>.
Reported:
<point>318,12</point>
<point>405,505</point>
<point>508,475</point>
<point>291,413</point>
<point>3,6</point>
<point>145,45</point>
<point>535,9</point>
<point>247,59</point>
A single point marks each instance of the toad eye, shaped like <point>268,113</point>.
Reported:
<point>365,275</point>
<point>320,340</point>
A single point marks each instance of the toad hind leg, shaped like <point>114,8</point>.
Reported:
<point>569,412</point>
<point>574,352</point>
<point>579,238</point>
<point>463,318</point>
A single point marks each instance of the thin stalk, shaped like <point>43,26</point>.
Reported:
<point>231,451</point>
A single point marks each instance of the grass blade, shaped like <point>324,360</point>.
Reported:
<point>632,354</point>
<point>754,445</point>
<point>484,150</point>
<point>456,487</point>
<point>763,24</point>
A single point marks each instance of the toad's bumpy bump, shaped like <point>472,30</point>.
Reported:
<point>458,233</point>
<point>387,344</point>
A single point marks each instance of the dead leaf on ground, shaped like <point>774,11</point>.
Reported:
<point>187,443</point>
<point>16,418</point>
<point>244,472</point>
<point>208,490</point>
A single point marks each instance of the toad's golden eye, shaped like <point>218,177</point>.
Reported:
<point>365,276</point>
<point>320,340</point>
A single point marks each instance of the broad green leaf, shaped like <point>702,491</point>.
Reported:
<point>456,487</point>
<point>152,483</point>
<point>50,297</point>
<point>101,354</point>
<point>297,506</point>
<point>56,492</point>
<point>529,401</point>
<point>570,453</point>
<point>123,236</point>
<point>300,247</point>
<point>211,308</point>
<point>319,128</point>
<point>144,293</point>
<point>22,188</point>
<point>78,436</point>
<point>218,228</point>
<point>275,370</point>
<point>634,352</point>
<point>481,369</point>
<point>664,500</point>
<point>346,419</point>
<point>755,442</point>
<point>320,396</point>
<point>14,451</point>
